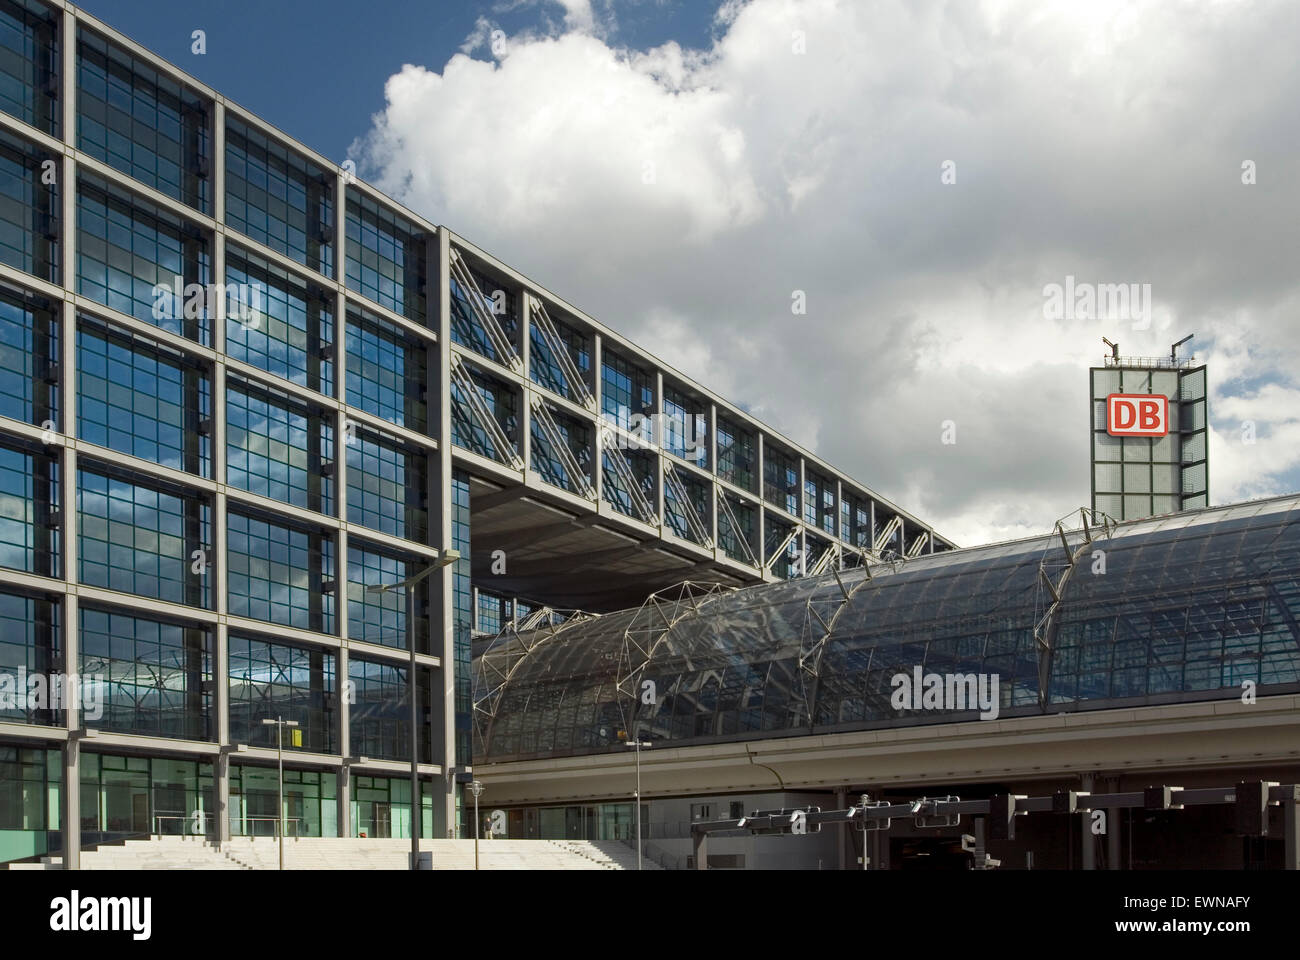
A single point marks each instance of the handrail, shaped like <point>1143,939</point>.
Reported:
<point>184,818</point>
<point>275,820</point>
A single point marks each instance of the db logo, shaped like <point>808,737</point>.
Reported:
<point>1137,415</point>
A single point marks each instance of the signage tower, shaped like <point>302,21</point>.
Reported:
<point>1149,434</point>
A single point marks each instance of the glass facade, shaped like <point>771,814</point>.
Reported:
<point>279,199</point>
<point>496,300</point>
<point>139,259</point>
<point>278,573</point>
<point>142,399</point>
<point>278,447</point>
<point>737,455</point>
<point>548,370</point>
<point>462,616</point>
<point>29,63</point>
<point>141,537</point>
<point>627,391</point>
<point>688,517</point>
<point>386,372</point>
<point>387,486</point>
<point>737,529</point>
<point>124,797</point>
<point>781,480</point>
<point>29,801</point>
<point>380,719</point>
<point>502,402</point>
<point>29,644</point>
<point>269,680</point>
<point>385,258</point>
<point>380,616</point>
<point>278,322</point>
<point>29,209</point>
<point>29,494</point>
<point>141,122</point>
<point>554,464</point>
<point>1188,608</point>
<point>29,359</point>
<point>310,802</point>
<point>685,429</point>
<point>154,677</point>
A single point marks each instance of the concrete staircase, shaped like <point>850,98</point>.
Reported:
<point>328,853</point>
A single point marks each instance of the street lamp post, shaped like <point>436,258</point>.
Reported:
<point>476,787</point>
<point>280,723</point>
<point>636,744</point>
<point>447,557</point>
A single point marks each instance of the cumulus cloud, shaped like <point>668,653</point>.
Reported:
<point>920,171</point>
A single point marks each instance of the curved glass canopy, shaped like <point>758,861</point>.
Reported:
<point>1187,606</point>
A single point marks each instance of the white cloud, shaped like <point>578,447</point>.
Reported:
<point>682,195</point>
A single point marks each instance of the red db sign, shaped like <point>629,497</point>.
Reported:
<point>1137,415</point>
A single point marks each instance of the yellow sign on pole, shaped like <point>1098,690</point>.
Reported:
<point>297,737</point>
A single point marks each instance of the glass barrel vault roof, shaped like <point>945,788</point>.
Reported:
<point>1188,606</point>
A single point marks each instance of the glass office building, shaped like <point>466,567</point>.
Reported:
<point>238,388</point>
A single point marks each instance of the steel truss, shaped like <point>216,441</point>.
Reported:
<point>464,381</point>
<point>648,630</point>
<point>1045,628</point>
<point>505,350</point>
<point>516,642</point>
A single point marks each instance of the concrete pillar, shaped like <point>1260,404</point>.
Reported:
<point>442,610</point>
<point>221,782</point>
<point>344,792</point>
<point>218,567</point>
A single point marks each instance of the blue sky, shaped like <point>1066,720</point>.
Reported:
<point>317,69</point>
<point>683,171</point>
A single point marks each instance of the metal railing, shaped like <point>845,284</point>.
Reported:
<point>275,826</point>
<point>1170,363</point>
<point>185,825</point>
